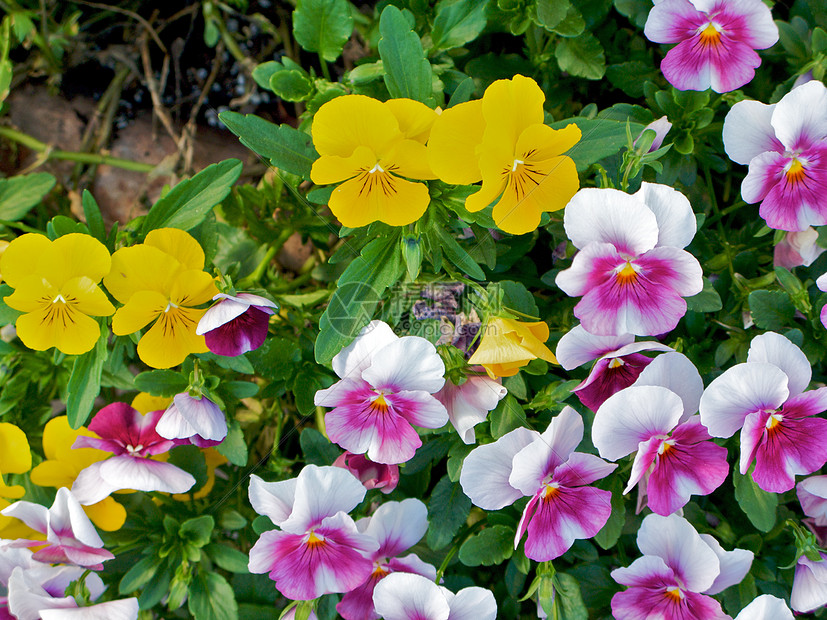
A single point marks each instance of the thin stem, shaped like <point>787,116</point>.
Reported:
<point>258,272</point>
<point>325,69</point>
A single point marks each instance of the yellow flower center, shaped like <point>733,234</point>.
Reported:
<point>796,172</point>
<point>627,275</point>
<point>314,540</point>
<point>674,593</point>
<point>523,176</point>
<point>551,490</point>
<point>59,310</point>
<point>380,404</point>
<point>710,35</point>
<point>134,449</point>
<point>379,571</point>
<point>774,420</point>
<point>666,446</point>
<point>616,363</point>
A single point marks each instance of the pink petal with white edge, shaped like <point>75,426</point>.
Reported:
<point>632,416</point>
<point>469,403</point>
<point>676,221</point>
<point>273,499</point>
<point>33,515</point>
<point>610,216</point>
<point>748,131</point>
<point>735,565</point>
<point>739,391</point>
<point>581,469</point>
<point>472,604</point>
<point>675,540</point>
<point>578,347</point>
<point>753,20</point>
<point>358,355</point>
<point>124,609</point>
<point>322,492</point>
<point>409,363</point>
<point>766,607</point>
<point>342,392</point>
<point>800,118</point>
<point>691,65</point>
<point>812,493</point>
<point>765,171</point>
<point>67,518</point>
<point>809,585</point>
<point>671,21</point>
<point>140,474</point>
<point>643,571</point>
<point>645,457</point>
<point>485,471</point>
<point>419,408</point>
<point>553,448</point>
<point>396,526</point>
<point>404,596</point>
<point>775,349</point>
<point>221,313</point>
<point>675,372</point>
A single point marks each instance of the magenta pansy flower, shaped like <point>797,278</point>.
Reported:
<point>70,536</point>
<point>386,387</point>
<point>716,41</point>
<point>469,404</point>
<point>198,419</point>
<point>765,398</point>
<point>317,548</point>
<point>396,526</point>
<point>562,508</point>
<point>677,572</point>
<point>785,147</point>
<point>132,439</point>
<point>371,475</point>
<point>809,584</point>
<point>236,324</point>
<point>406,596</point>
<point>631,270</point>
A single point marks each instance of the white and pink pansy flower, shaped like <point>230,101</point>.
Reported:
<point>716,41</point>
<point>785,146</point>
<point>631,270</point>
<point>821,283</point>
<point>132,439</point>
<point>406,596</point>
<point>318,548</point>
<point>544,467</point>
<point>236,324</point>
<point>396,526</point>
<point>765,398</point>
<point>386,388</point>
<point>70,536</point>
<point>678,571</point>
<point>371,475</point>
<point>199,420</point>
<point>809,584</point>
<point>469,404</point>
<point>812,493</point>
<point>765,607</point>
<point>797,249</point>
<point>619,362</point>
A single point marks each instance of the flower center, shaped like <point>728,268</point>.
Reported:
<point>627,275</point>
<point>377,179</point>
<point>795,172</point>
<point>551,489</point>
<point>376,168</point>
<point>666,446</point>
<point>59,298</point>
<point>380,570</point>
<point>774,420</point>
<point>710,35</point>
<point>523,176</point>
<point>616,363</point>
<point>135,450</point>
<point>674,593</point>
<point>380,404</point>
<point>314,540</point>
<point>169,307</point>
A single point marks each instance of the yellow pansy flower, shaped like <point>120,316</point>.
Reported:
<point>371,148</point>
<point>63,464</point>
<point>161,281</point>
<point>15,458</point>
<point>507,345</point>
<point>56,286</point>
<point>502,141</point>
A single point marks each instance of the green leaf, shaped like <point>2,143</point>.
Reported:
<point>7,313</point>
<point>630,76</point>
<point>551,12</point>
<point>601,137</point>
<point>94,219</point>
<point>234,448</point>
<point>187,204</point>
<point>581,56</point>
<point>323,26</point>
<point>228,558</point>
<point>21,193</point>
<point>569,597</point>
<point>211,598</point>
<point>241,389</point>
<point>773,310</point>
<point>317,449</point>
<point>448,509</point>
<point>572,25</point>
<point>85,381</point>
<point>708,300</point>
<point>507,416</point>
<point>407,72</point>
<point>140,573</point>
<point>197,531</point>
<point>291,85</point>
<point>286,148</point>
<point>757,504</point>
<point>457,22</point>
<point>191,459</point>
<point>457,254</point>
<point>161,382</point>
<point>488,547</point>
<point>609,534</point>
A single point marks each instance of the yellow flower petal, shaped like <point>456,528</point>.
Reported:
<point>349,121</point>
<point>141,268</point>
<point>506,345</point>
<point>452,147</point>
<point>53,474</point>
<point>192,288</point>
<point>408,158</point>
<point>542,142</point>
<point>88,297</point>
<point>415,118</point>
<point>58,439</point>
<point>142,308</point>
<point>15,455</point>
<point>22,258</point>
<point>3,245</point>
<point>58,325</point>
<point>172,338</point>
<point>334,169</point>
<point>78,255</point>
<point>31,293</point>
<point>179,244</point>
<point>12,492</point>
<point>508,107</point>
<point>145,403</point>
<point>483,197</point>
<point>379,196</point>
<point>107,514</point>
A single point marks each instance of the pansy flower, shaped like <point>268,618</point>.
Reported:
<point>372,148</point>
<point>507,345</point>
<point>236,324</point>
<point>15,458</point>
<point>765,607</point>
<point>56,285</point>
<point>405,596</point>
<point>797,249</point>
<point>371,475</point>
<point>631,270</point>
<point>785,147</point>
<point>161,282</point>
<point>809,584</point>
<point>501,140</point>
<point>469,404</point>
<point>198,419</point>
<point>716,41</point>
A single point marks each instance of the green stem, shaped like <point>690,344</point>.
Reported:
<point>325,69</point>
<point>84,158</point>
<point>464,535</point>
<point>723,212</point>
<point>258,272</point>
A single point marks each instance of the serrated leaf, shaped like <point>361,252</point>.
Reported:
<point>601,137</point>
<point>323,26</point>
<point>211,598</point>
<point>140,573</point>
<point>407,71</point>
<point>198,530</point>
<point>457,254</point>
<point>708,300</point>
<point>488,547</point>
<point>609,534</point>
<point>757,504</point>
<point>457,22</point>
<point>85,381</point>
<point>582,56</point>
<point>772,310</point>
<point>291,85</point>
<point>551,12</point>
<point>448,509</point>
<point>569,597</point>
<point>19,194</point>
<point>234,448</point>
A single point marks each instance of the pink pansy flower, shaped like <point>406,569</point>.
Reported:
<point>631,269</point>
<point>70,536</point>
<point>797,249</point>
<point>405,596</point>
<point>387,386</point>
<point>812,493</point>
<point>236,324</point>
<point>546,468</point>
<point>132,439</point>
<point>765,398</point>
<point>716,41</point>
<point>677,572</point>
<point>785,146</point>
<point>317,549</point>
<point>809,584</point>
<point>821,283</point>
<point>766,607</point>
<point>674,459</point>
<point>619,362</point>
<point>371,475</point>
<point>198,419</point>
<point>468,404</point>
<point>396,526</point>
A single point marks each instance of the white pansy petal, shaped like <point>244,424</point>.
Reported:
<point>809,585</point>
<point>27,598</point>
<point>220,314</point>
<point>812,494</point>
<point>409,363</point>
<point>748,131</point>
<point>33,515</point>
<point>801,114</point>
<point>419,408</point>
<point>257,300</point>
<point>339,392</point>
<point>173,425</point>
<point>766,607</point>
<point>775,349</point>
<point>358,355</point>
<point>610,216</point>
<point>272,499</point>
<point>761,176</point>
<point>473,604</point>
<point>676,221</point>
<point>203,415</point>
<point>402,596</point>
<point>739,391</point>
<point>470,403</point>
<point>66,515</point>
<point>578,347</point>
<point>124,609</point>
<point>322,492</point>
<point>675,372</point>
<point>90,487</point>
<point>397,526</point>
<point>140,474</point>
<point>821,282</point>
<point>485,471</point>
<point>735,565</point>
<point>634,415</point>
